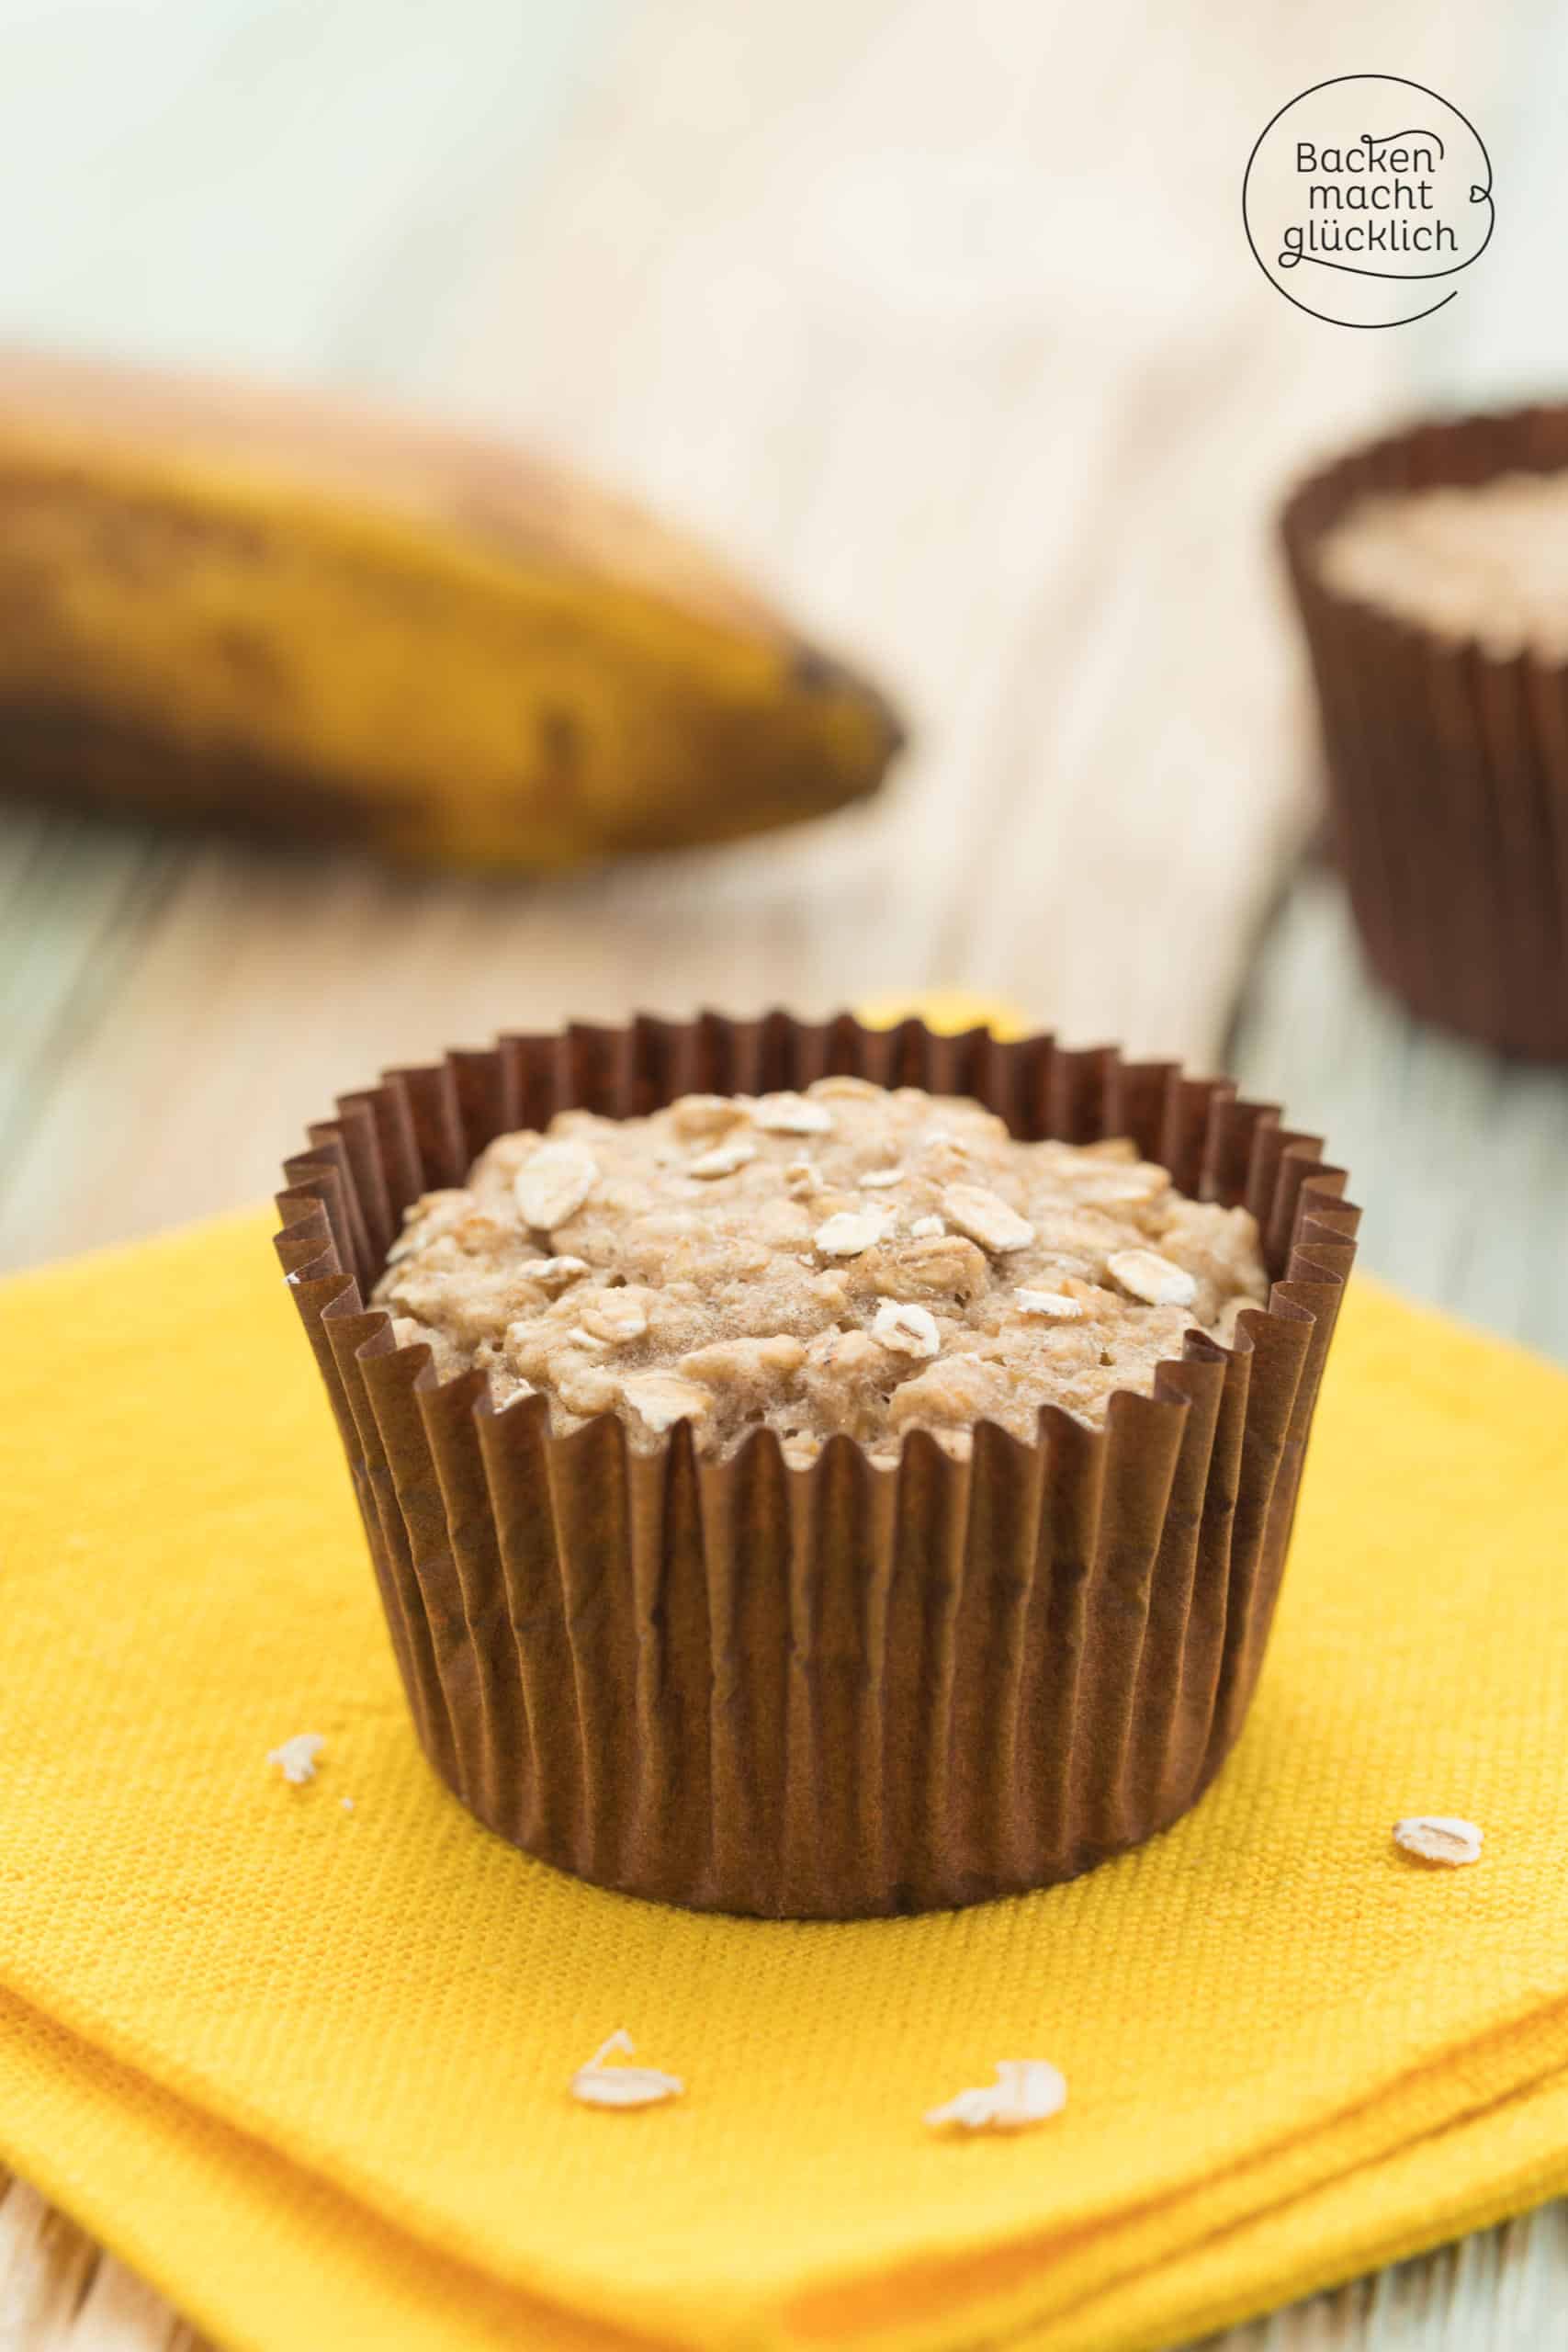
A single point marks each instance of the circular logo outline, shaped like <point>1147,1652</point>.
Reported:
<point>1373,326</point>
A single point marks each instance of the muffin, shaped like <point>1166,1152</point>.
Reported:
<point>813,1471</point>
<point>1432,570</point>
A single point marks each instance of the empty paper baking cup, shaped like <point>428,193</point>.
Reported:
<point>1447,765</point>
<point>843,1689</point>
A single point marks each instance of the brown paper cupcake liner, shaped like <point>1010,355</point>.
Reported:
<point>844,1689</point>
<point>1447,765</point>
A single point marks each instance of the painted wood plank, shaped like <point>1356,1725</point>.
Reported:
<point>1501,2290</point>
<point>856,330</point>
<point>1459,1160</point>
<point>811,282</point>
<point>291,188</point>
<point>59,2292</point>
<point>286,188</point>
<point>1507,2287</point>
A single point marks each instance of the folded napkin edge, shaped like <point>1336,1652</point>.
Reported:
<point>1333,2256</point>
<point>790,2313</point>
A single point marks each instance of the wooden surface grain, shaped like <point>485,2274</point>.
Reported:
<point>814,290</point>
<point>945,325</point>
<point>1461,1159</point>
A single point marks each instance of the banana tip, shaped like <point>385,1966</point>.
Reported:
<point>822,674</point>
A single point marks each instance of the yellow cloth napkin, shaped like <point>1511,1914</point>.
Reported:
<point>306,2065</point>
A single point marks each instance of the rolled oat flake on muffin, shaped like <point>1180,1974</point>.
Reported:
<point>552,1185</point>
<point>662,1398</point>
<point>619,1316</point>
<point>1056,1304</point>
<point>911,1330</point>
<point>694,1116</point>
<point>553,1272</point>
<point>847,1232</point>
<point>1143,1273</point>
<point>985,1218</point>
<point>723,1158</point>
<point>790,1114</point>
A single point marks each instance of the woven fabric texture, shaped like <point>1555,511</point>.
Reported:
<point>306,2065</point>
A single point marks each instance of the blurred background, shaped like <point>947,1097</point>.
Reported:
<point>941,325</point>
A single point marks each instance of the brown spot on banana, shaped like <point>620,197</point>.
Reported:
<point>272,611</point>
<point>72,754</point>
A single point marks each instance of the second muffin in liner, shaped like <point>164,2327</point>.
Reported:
<point>846,1688</point>
<point>1447,761</point>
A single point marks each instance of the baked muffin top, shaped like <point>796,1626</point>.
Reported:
<point>1487,560</point>
<point>848,1259</point>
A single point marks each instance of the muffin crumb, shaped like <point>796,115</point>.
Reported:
<point>1439,1838</point>
<point>1026,2091</point>
<point>296,1756</point>
<point>597,2085</point>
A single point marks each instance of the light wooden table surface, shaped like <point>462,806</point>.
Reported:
<point>943,321</point>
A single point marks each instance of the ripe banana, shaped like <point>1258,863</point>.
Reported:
<point>290,613</point>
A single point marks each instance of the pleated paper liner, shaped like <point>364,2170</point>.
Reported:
<point>1447,765</point>
<point>844,1689</point>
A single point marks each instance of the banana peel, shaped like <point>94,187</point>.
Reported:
<point>287,613</point>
